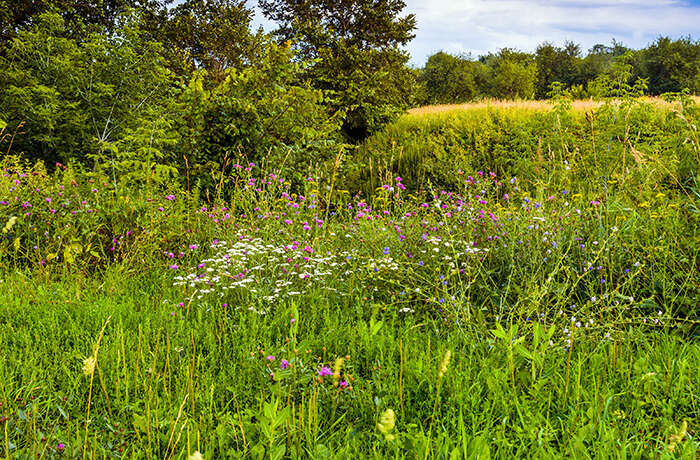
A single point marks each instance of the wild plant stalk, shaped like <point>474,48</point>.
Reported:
<point>89,366</point>
<point>441,373</point>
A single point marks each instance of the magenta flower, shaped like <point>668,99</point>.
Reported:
<point>173,267</point>
<point>284,364</point>
<point>270,358</point>
<point>324,371</point>
<point>170,197</point>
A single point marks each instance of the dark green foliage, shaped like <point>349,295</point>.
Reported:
<point>666,66</point>
<point>556,64</point>
<point>213,35</point>
<point>353,50</point>
<point>449,79</point>
<point>599,60</point>
<point>81,100</point>
<point>93,14</point>
<point>257,114</point>
<point>671,65</point>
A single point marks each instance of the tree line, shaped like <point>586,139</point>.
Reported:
<point>664,66</point>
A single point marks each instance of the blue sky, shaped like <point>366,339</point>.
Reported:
<point>480,26</point>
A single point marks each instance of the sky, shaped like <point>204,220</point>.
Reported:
<point>482,26</point>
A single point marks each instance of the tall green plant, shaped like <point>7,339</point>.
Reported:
<point>79,98</point>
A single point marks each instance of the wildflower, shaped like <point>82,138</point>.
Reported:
<point>270,358</point>
<point>196,456</point>
<point>284,364</point>
<point>173,267</point>
<point>386,251</point>
<point>386,424</point>
<point>170,197</point>
<point>324,371</point>
<point>61,446</point>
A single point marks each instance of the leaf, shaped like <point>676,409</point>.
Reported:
<point>16,244</point>
<point>522,351</point>
<point>375,326</point>
<point>140,422</point>
<point>278,452</point>
<point>499,332</point>
<point>68,255</point>
<point>62,412</point>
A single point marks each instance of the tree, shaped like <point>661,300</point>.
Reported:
<point>84,99</point>
<point>512,74</point>
<point>353,50</point>
<point>449,79</point>
<point>210,34</point>
<point>600,60</point>
<point>555,64</point>
<point>515,80</point>
<point>671,65</point>
<point>260,112</point>
<point>101,14</point>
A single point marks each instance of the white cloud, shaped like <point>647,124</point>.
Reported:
<point>479,26</point>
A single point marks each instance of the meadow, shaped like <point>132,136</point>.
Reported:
<point>508,283</point>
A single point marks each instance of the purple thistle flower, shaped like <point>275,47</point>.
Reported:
<point>324,371</point>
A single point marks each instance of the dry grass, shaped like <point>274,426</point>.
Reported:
<point>541,105</point>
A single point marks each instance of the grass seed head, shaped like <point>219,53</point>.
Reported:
<point>89,365</point>
<point>444,364</point>
<point>336,370</point>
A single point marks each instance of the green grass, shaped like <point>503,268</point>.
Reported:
<point>168,386</point>
<point>544,314</point>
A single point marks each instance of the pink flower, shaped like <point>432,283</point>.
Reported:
<point>324,371</point>
<point>284,364</point>
<point>270,358</point>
